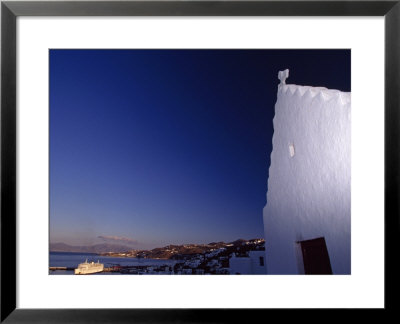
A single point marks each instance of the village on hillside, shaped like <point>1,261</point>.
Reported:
<point>238,257</point>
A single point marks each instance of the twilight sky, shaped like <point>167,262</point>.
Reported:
<point>157,147</point>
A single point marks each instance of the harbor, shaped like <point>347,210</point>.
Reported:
<point>142,269</point>
<point>61,263</point>
<point>237,257</point>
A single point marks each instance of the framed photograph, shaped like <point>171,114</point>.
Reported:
<point>164,161</point>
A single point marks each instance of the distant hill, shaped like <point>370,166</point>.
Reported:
<point>239,242</point>
<point>97,248</point>
<point>166,252</point>
<point>180,252</point>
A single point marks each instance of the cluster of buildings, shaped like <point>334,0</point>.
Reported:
<point>247,258</point>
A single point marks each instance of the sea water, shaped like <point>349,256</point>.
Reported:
<point>72,259</point>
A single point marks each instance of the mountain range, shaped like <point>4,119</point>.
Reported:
<point>162,252</point>
<point>97,248</point>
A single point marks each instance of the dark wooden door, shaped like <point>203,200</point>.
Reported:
<point>315,256</point>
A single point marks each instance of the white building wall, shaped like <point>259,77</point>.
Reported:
<point>256,267</point>
<point>309,178</point>
<point>248,265</point>
<point>239,265</point>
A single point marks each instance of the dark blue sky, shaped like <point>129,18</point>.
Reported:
<point>168,146</point>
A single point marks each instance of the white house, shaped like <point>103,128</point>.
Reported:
<point>252,264</point>
<point>307,215</point>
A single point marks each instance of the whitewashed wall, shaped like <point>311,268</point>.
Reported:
<point>309,178</point>
<point>248,265</point>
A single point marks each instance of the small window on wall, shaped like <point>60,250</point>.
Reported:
<point>315,256</point>
<point>261,261</point>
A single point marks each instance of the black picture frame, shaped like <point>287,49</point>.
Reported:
<point>10,10</point>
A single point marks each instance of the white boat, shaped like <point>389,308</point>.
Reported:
<point>89,267</point>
